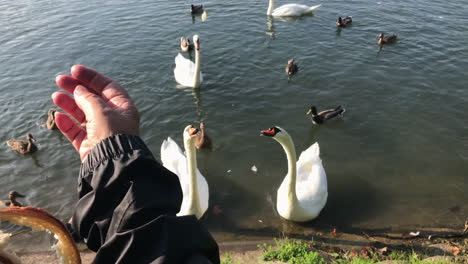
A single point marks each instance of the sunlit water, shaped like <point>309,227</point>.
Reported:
<point>398,158</point>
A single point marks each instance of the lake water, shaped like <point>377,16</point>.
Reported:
<point>397,159</point>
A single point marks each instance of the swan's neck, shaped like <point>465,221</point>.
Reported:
<point>288,146</point>
<point>270,7</point>
<point>191,153</point>
<point>196,77</point>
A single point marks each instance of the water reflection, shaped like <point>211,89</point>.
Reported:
<point>271,28</point>
<point>201,114</point>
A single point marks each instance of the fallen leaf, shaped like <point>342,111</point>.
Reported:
<point>333,232</point>
<point>455,250</point>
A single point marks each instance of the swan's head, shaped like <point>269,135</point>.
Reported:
<point>312,111</point>
<point>277,133</point>
<point>196,42</point>
<point>190,133</point>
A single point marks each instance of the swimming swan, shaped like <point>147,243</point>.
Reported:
<point>194,185</point>
<point>303,192</point>
<point>290,9</point>
<point>186,72</point>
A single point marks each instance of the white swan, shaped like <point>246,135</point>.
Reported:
<point>194,185</point>
<point>186,72</point>
<point>290,9</point>
<point>303,192</point>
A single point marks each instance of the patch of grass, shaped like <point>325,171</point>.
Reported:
<point>291,251</point>
<point>228,259</point>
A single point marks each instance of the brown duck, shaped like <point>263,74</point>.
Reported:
<point>203,141</point>
<point>23,146</point>
<point>323,116</point>
<point>12,199</point>
<point>386,40</point>
<point>291,68</point>
<point>50,123</point>
<point>343,22</point>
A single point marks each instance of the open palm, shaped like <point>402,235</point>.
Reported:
<point>100,107</point>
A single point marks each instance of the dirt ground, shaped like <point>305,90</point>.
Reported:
<point>440,245</point>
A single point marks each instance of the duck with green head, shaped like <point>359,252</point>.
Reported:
<point>322,117</point>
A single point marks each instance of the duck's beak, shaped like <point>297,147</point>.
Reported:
<point>309,112</point>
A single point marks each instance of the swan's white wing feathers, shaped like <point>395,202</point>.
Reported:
<point>293,10</point>
<point>172,157</point>
<point>184,70</point>
<point>311,185</point>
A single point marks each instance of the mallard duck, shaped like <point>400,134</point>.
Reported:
<point>185,44</point>
<point>12,199</point>
<point>203,141</point>
<point>322,117</point>
<point>196,9</point>
<point>50,123</point>
<point>291,68</point>
<point>386,40</point>
<point>344,22</point>
<point>23,146</point>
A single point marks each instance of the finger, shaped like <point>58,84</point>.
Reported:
<point>72,131</point>
<point>90,78</point>
<point>88,102</point>
<point>69,105</point>
<point>66,82</point>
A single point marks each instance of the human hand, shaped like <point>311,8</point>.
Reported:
<point>100,106</point>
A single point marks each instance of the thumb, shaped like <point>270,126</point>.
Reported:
<point>88,102</point>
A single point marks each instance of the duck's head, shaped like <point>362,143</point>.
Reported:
<point>196,42</point>
<point>30,137</point>
<point>14,194</point>
<point>312,111</point>
<point>190,132</point>
<point>381,35</point>
<point>290,62</point>
<point>339,21</point>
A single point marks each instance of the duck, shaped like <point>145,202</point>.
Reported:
<point>185,44</point>
<point>303,192</point>
<point>196,9</point>
<point>186,72</point>
<point>386,40</point>
<point>194,186</point>
<point>12,199</point>
<point>344,22</point>
<point>322,117</point>
<point>291,68</point>
<point>50,123</point>
<point>203,140</point>
<point>23,146</point>
<point>290,9</point>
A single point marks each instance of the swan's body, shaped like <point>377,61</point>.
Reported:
<point>186,72</point>
<point>194,185</point>
<point>303,192</point>
<point>23,146</point>
<point>50,123</point>
<point>290,9</point>
<point>386,39</point>
<point>325,115</point>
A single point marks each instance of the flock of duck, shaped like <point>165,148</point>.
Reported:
<point>303,192</point>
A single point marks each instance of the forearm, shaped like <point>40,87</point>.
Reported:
<point>127,206</point>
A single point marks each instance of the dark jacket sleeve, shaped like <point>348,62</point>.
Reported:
<point>127,206</point>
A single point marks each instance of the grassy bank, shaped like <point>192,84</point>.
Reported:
<point>303,252</point>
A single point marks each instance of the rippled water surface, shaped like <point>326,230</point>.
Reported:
<point>398,158</point>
